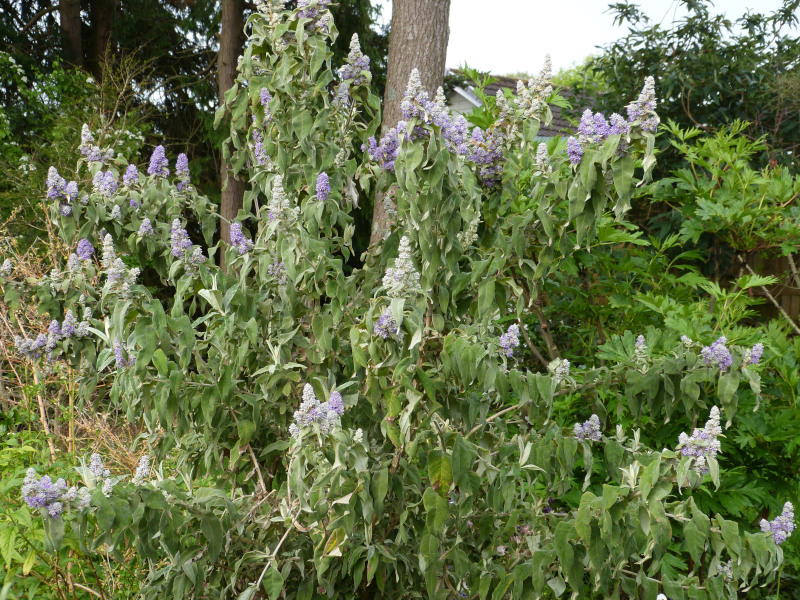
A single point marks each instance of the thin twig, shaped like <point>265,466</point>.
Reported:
<point>530,345</point>
<point>552,350</point>
<point>793,267</point>
<point>43,417</point>
<point>773,300</point>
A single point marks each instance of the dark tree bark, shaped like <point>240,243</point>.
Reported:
<point>101,16</point>
<point>70,16</point>
<point>418,39</point>
<point>230,46</point>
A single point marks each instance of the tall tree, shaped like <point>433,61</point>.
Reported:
<point>231,41</point>
<point>417,40</point>
<point>72,45</point>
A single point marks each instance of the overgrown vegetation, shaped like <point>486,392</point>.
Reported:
<point>520,393</point>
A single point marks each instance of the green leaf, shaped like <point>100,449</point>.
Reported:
<point>246,430</point>
<point>212,530</point>
<point>440,471</point>
<point>160,362</point>
<point>436,508</point>
<point>273,582</point>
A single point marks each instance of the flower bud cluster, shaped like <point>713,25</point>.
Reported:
<point>510,340</point>
<point>142,471</point>
<point>6,268</point>
<point>782,526</point>
<point>703,444</point>
<point>543,159</point>
<point>280,208</point>
<point>560,369</point>
<point>589,430</point>
<point>322,416</point>
<point>470,235</point>
<point>718,354</point>
<point>403,278</point>
<point>640,349</point>
<point>118,275</point>
<point>533,98</point>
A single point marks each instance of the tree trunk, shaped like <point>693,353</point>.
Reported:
<point>70,16</point>
<point>230,46</point>
<point>101,15</point>
<point>418,39</point>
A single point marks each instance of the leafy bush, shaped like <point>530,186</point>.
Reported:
<point>388,427</point>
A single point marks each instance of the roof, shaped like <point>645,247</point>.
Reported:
<point>558,126</point>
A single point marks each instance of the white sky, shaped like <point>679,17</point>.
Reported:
<point>510,36</point>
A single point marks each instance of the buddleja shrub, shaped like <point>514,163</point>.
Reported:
<point>378,431</point>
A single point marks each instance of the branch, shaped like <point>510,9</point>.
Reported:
<point>773,300</point>
<point>38,16</point>
<point>552,350</point>
<point>530,345</point>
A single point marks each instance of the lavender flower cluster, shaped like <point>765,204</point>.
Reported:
<point>259,152</point>
<point>105,183</point>
<point>595,129</point>
<point>312,413</point>
<point>159,165</point>
<point>182,245</point>
<point>317,11</point>
<point>120,350</point>
<point>417,105</point>
<point>718,354</point>
<point>277,270</point>
<point>182,171</point>
<point>131,176</point>
<point>752,356</point>
<point>386,325</point>
<point>53,497</point>
<point>510,340</point>
<point>782,526</point>
<point>703,444</point>
<point>238,240</point>
<point>69,328</point>
<point>89,149</point>
<point>59,189</point>
<point>357,63</point>
<point>588,430</point>
<point>323,187</point>
<point>403,278</point>
<point>265,98</point>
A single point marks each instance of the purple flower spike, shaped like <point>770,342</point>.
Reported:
<point>85,249</point>
<point>323,187</point>
<point>159,165</point>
